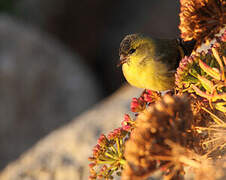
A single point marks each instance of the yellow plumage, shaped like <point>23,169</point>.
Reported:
<point>152,75</point>
<point>149,63</point>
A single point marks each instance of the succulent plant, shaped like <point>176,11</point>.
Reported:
<point>185,127</point>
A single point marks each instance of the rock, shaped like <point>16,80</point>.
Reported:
<point>63,154</point>
<point>42,86</point>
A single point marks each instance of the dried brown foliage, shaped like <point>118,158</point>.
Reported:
<point>148,148</point>
<point>201,19</point>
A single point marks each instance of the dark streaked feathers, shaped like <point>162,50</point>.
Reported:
<point>125,45</point>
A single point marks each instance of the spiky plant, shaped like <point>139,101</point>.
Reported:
<point>187,126</point>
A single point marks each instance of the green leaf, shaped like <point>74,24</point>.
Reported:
<point>221,106</point>
<point>193,72</point>
<point>207,84</point>
<point>221,96</point>
<point>201,93</point>
<point>210,71</point>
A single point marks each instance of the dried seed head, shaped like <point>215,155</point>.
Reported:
<point>201,19</point>
<point>166,120</point>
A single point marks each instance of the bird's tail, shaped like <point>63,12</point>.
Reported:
<point>187,46</point>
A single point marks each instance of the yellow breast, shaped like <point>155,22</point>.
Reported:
<point>152,75</point>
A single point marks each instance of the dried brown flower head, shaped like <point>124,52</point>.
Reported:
<point>148,149</point>
<point>201,19</point>
<point>213,143</point>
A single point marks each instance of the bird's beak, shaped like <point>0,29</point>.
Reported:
<point>122,60</point>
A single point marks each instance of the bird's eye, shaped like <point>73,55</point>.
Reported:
<point>131,51</point>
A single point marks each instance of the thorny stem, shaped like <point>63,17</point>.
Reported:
<point>113,149</point>
<point>118,147</point>
<point>106,162</point>
<point>109,155</point>
<point>209,129</point>
<point>216,55</point>
<point>181,159</point>
<point>219,126</point>
<point>212,150</point>
<point>211,140</point>
<point>215,118</point>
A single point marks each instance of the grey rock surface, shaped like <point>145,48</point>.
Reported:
<point>42,86</point>
<point>62,155</point>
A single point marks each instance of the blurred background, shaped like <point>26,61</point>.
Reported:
<point>58,58</point>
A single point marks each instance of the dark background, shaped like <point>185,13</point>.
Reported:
<point>58,58</point>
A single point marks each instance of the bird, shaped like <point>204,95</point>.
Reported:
<point>151,63</point>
